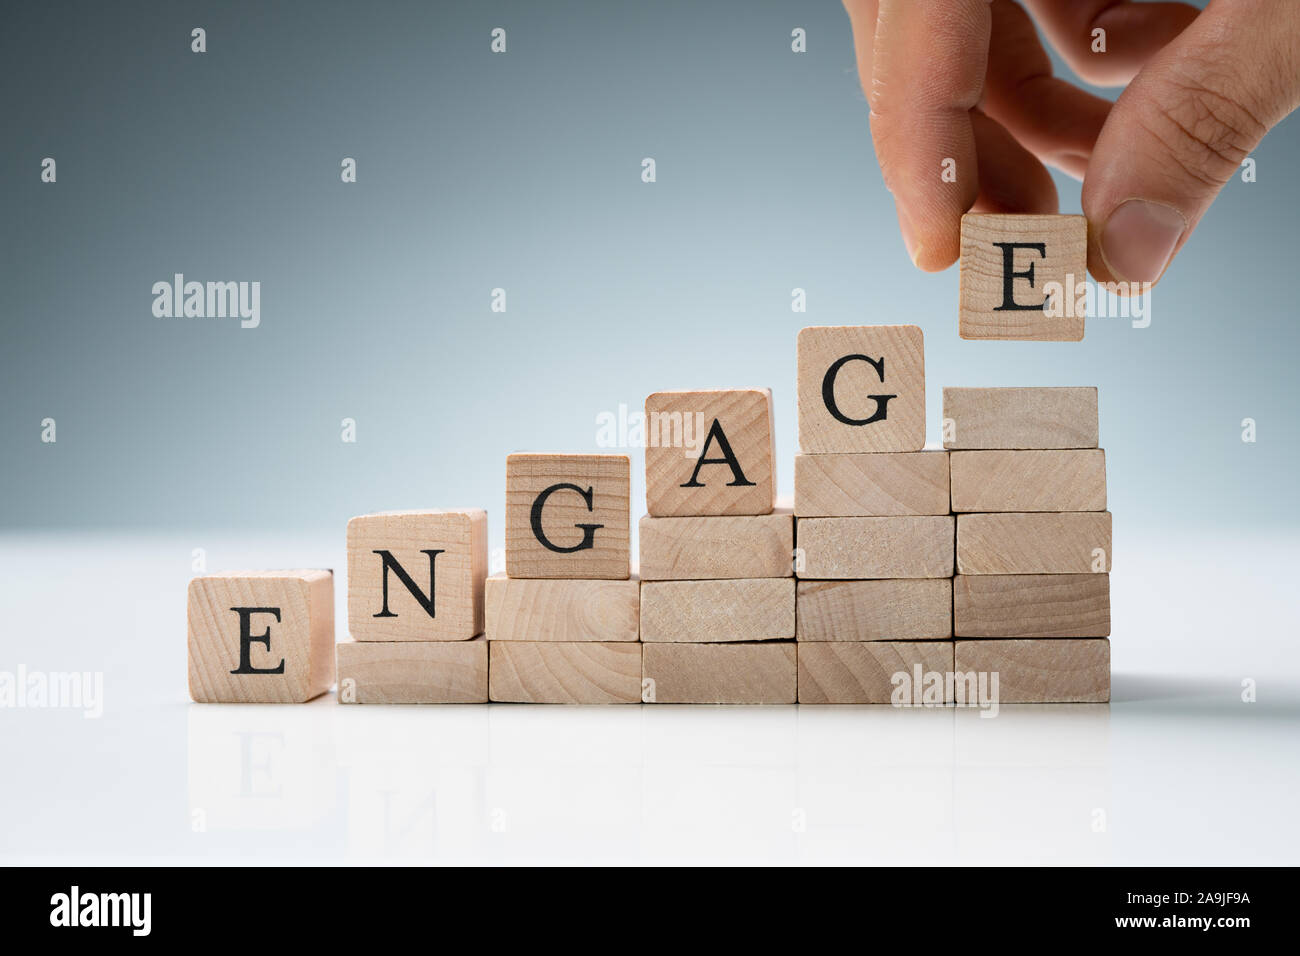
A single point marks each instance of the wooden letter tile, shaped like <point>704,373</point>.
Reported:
<point>1041,671</point>
<point>1013,543</point>
<point>568,516</point>
<point>536,609</point>
<point>724,546</point>
<point>871,485</point>
<point>1019,418</point>
<point>877,672</point>
<point>1022,277</point>
<point>261,637</point>
<point>1064,480</point>
<point>751,609</point>
<point>902,610</point>
<point>1031,605</point>
<point>900,547</point>
<point>721,673</point>
<point>861,388</point>
<point>579,672</point>
<point>413,672</point>
<point>710,452</point>
<point>417,575</point>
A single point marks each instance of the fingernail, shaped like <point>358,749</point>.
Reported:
<point>1139,239</point>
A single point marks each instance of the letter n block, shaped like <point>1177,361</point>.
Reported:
<point>1023,277</point>
<point>417,575</point>
<point>568,516</point>
<point>861,389</point>
<point>709,452</point>
<point>261,637</point>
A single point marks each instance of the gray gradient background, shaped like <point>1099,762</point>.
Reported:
<point>520,171</point>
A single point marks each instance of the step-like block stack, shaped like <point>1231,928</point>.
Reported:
<point>875,533</point>
<point>1031,598</point>
<point>717,586</point>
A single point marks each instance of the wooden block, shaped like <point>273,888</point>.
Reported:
<point>686,612</point>
<point>710,452</point>
<point>1031,605</point>
<point>916,546</point>
<point>765,673</point>
<point>563,672</point>
<point>413,672</point>
<point>1041,671</point>
<point>535,609</point>
<point>568,516</point>
<point>861,388</point>
<point>1013,543</point>
<point>1019,418</point>
<point>875,672</point>
<point>417,575</point>
<point>261,637</point>
<point>721,546</point>
<point>871,485</point>
<point>1049,480</point>
<point>902,610</point>
<point>1021,277</point>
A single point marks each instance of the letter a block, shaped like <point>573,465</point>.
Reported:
<point>417,575</point>
<point>709,452</point>
<point>1012,265</point>
<point>861,389</point>
<point>261,637</point>
<point>568,516</point>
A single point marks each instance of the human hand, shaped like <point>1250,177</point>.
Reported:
<point>968,81</point>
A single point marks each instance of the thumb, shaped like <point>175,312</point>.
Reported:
<point>1181,130</point>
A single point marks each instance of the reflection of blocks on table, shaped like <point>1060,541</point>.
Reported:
<point>757,673</point>
<point>417,575</point>
<point>710,452</point>
<point>264,637</point>
<point>875,672</point>
<point>567,516</point>
<point>861,389</point>
<point>1023,277</point>
<point>564,672</point>
<point>413,672</point>
<point>1046,671</point>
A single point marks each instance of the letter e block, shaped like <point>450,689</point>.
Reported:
<point>568,516</point>
<point>1022,277</point>
<point>709,452</point>
<point>261,637</point>
<point>417,575</point>
<point>861,389</point>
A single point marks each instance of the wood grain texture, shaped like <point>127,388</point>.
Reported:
<point>721,546</point>
<point>1031,605</point>
<point>1062,260</point>
<point>413,672</point>
<point>918,546</point>
<point>579,672</point>
<point>1039,480</point>
<point>537,609</point>
<point>457,574</point>
<point>680,433</point>
<point>871,485</point>
<point>604,551</point>
<point>750,609</point>
<point>864,672</point>
<point>765,673</point>
<point>1015,418</point>
<point>1015,543</point>
<point>1041,671</point>
<point>897,610</point>
<point>301,640</point>
<point>851,350</point>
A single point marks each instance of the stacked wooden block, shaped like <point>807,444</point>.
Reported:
<point>1031,598</point>
<point>874,529</point>
<point>717,585</point>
